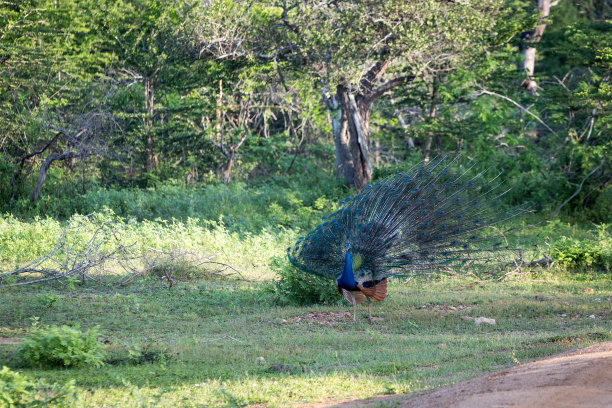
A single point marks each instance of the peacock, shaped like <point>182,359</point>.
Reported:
<point>434,216</point>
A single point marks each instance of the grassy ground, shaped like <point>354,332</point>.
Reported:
<point>223,343</point>
<point>228,343</point>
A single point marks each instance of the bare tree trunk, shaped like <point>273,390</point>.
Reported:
<point>376,152</point>
<point>350,116</point>
<point>404,125</point>
<point>350,123</point>
<point>218,113</point>
<point>358,117</point>
<point>22,161</point>
<point>149,98</point>
<point>344,160</point>
<point>432,114</point>
<point>227,168</point>
<point>42,174</point>
<point>427,147</point>
<point>528,52</point>
<point>225,144</point>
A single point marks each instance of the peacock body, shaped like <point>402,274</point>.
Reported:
<point>430,217</point>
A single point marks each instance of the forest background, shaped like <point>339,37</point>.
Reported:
<point>102,98</point>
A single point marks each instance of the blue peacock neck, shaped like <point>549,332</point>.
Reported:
<point>347,279</point>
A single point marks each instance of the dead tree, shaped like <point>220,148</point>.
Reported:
<point>105,249</point>
<point>75,139</point>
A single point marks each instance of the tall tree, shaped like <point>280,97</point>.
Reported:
<point>145,38</point>
<point>528,47</point>
<point>355,52</point>
<point>48,57</point>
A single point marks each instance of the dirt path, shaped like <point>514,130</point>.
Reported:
<point>582,378</point>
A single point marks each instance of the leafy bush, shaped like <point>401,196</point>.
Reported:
<point>582,254</point>
<point>600,211</point>
<point>19,391</point>
<point>61,346</point>
<point>300,288</point>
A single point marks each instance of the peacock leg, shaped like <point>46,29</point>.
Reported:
<point>354,306</point>
<point>369,311</point>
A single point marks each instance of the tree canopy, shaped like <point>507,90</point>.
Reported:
<point>142,92</point>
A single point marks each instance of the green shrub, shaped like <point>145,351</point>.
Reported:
<point>61,346</point>
<point>584,254</point>
<point>272,203</point>
<point>17,391</point>
<point>300,288</point>
<point>601,210</point>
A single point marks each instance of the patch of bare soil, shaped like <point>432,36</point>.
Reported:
<point>448,308</point>
<point>9,340</point>
<point>324,318</point>
<point>582,378</point>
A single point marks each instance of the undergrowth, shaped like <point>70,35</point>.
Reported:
<point>292,286</point>
<point>61,346</point>
<point>583,254</point>
<point>20,391</point>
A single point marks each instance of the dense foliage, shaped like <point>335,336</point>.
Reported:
<point>295,287</point>
<point>584,254</point>
<point>99,96</point>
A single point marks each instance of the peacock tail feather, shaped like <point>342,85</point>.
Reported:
<point>433,216</point>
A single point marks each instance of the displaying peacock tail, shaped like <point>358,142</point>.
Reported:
<point>430,217</point>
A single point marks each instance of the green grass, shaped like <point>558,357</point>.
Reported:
<point>229,343</point>
<point>199,344</point>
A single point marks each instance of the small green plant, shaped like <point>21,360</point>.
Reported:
<point>19,391</point>
<point>585,254</point>
<point>147,354</point>
<point>61,346</point>
<point>49,299</point>
<point>300,288</point>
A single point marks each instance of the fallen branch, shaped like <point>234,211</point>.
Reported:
<point>542,261</point>
<point>71,258</point>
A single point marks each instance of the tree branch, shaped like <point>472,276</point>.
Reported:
<point>42,175</point>
<point>41,150</point>
<point>220,148</point>
<point>243,138</point>
<point>387,86</point>
<point>518,105</point>
<point>372,75</point>
<point>580,186</point>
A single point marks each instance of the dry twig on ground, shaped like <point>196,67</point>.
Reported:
<point>105,248</point>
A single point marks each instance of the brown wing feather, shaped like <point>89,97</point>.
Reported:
<point>359,297</point>
<point>377,292</point>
